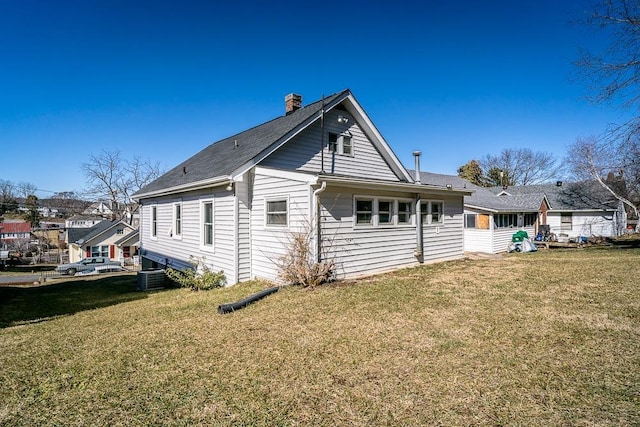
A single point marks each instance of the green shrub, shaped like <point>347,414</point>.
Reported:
<point>198,277</point>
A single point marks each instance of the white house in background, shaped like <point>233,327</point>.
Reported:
<point>127,248</point>
<point>493,215</point>
<point>323,167</point>
<point>574,209</point>
<point>98,208</point>
<point>82,221</point>
<point>101,240</point>
<point>490,221</point>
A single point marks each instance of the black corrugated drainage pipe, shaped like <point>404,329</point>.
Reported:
<point>233,306</point>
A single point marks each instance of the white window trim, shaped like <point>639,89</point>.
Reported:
<point>340,143</point>
<point>475,220</point>
<point>376,209</point>
<point>429,212</point>
<point>357,198</point>
<point>375,212</point>
<point>153,219</point>
<point>288,211</point>
<point>412,213</point>
<point>174,218</point>
<point>201,232</point>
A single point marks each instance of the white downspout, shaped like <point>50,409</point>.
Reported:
<point>316,215</point>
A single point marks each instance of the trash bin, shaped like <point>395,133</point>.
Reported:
<point>519,236</point>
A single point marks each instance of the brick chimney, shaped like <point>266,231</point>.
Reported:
<point>292,102</point>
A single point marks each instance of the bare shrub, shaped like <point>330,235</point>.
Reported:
<point>299,266</point>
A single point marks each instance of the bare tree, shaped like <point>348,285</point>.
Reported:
<point>7,196</point>
<point>112,178</point>
<point>613,76</point>
<point>616,167</point>
<point>614,73</point>
<point>520,166</point>
<point>25,189</point>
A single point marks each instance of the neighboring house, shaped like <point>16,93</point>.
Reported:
<point>323,168</point>
<point>82,221</point>
<point>14,234</point>
<point>575,209</point>
<point>98,208</point>
<point>127,248</point>
<point>490,221</point>
<point>493,215</point>
<point>97,241</point>
<point>48,212</point>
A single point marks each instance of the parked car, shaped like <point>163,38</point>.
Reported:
<point>85,264</point>
<point>108,268</point>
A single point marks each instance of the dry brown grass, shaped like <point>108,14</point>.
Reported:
<point>550,338</point>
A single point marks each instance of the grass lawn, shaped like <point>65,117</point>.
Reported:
<point>547,338</point>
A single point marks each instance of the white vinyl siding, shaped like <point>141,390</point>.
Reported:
<point>444,240</point>
<point>302,153</point>
<point>480,237</point>
<point>270,242</point>
<point>243,230</point>
<point>359,250</point>
<point>584,223</point>
<point>177,252</point>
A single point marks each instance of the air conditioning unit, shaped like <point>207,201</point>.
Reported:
<point>148,280</point>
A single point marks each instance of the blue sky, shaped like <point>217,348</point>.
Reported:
<point>162,80</point>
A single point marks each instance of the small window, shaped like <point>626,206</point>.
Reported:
<point>436,212</point>
<point>154,221</point>
<point>530,219</point>
<point>404,213</point>
<point>566,221</point>
<point>364,212</point>
<point>99,251</point>
<point>119,230</point>
<point>207,223</point>
<point>177,219</point>
<point>470,220</point>
<point>385,212</point>
<point>505,220</point>
<point>346,145</point>
<point>340,144</point>
<point>333,143</point>
<point>277,212</point>
<point>431,212</point>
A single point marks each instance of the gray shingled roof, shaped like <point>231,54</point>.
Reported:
<point>133,235</point>
<point>77,233</point>
<point>221,158</point>
<point>569,196</point>
<point>92,232</point>
<point>484,197</point>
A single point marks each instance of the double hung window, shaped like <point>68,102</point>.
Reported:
<point>277,214</point>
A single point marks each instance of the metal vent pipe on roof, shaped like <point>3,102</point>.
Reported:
<point>417,155</point>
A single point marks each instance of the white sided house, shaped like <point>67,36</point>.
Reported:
<point>322,168</point>
<point>489,220</point>
<point>101,240</point>
<point>574,209</point>
<point>493,215</point>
